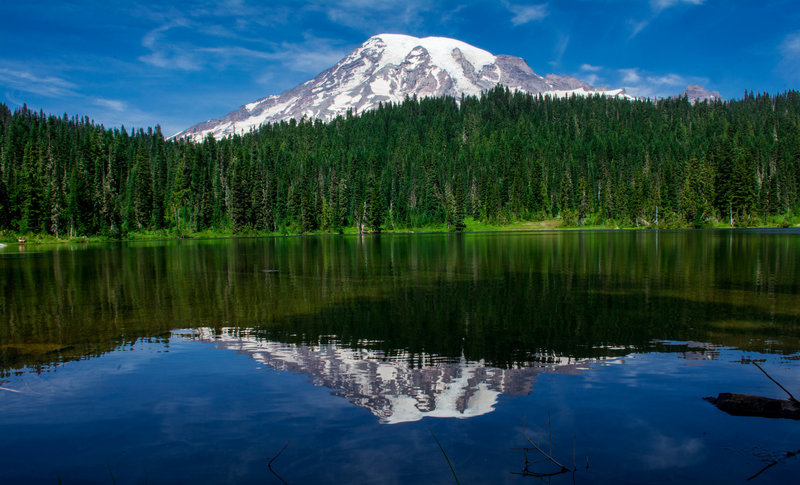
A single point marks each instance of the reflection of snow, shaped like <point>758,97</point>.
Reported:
<point>393,388</point>
<point>693,350</point>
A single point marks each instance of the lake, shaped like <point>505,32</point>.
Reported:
<point>392,358</point>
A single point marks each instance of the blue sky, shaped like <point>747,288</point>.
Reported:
<point>142,63</point>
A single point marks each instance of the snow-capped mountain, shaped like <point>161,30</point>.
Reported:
<point>389,68</point>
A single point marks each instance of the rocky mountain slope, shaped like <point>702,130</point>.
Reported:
<point>697,93</point>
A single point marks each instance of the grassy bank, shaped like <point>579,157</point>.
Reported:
<point>472,225</point>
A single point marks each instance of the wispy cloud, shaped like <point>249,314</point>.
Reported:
<point>112,104</point>
<point>668,80</point>
<point>660,5</point>
<point>592,79</point>
<point>630,75</point>
<point>71,96</point>
<point>524,14</point>
<point>166,54</point>
<point>310,59</point>
<point>656,8</point>
<point>652,85</point>
<point>790,57</point>
<point>310,55</point>
<point>559,49</point>
<point>591,68</point>
<point>638,26</point>
<point>376,16</point>
<point>41,84</point>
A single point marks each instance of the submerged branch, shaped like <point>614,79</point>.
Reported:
<point>453,470</point>
<point>542,452</point>
<point>269,465</point>
<point>789,454</point>
<point>791,398</point>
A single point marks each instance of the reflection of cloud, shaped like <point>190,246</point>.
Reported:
<point>664,452</point>
<point>402,387</point>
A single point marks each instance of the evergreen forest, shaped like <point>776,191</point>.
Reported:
<point>500,158</point>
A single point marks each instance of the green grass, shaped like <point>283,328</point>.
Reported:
<point>472,225</point>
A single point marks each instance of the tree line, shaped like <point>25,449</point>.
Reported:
<point>501,157</point>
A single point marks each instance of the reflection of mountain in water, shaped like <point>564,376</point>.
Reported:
<point>399,388</point>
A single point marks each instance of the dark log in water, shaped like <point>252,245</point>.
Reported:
<point>747,405</point>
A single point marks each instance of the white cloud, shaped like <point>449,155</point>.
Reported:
<point>592,79</point>
<point>311,60</point>
<point>667,80</point>
<point>790,57</point>
<point>630,76</point>
<point>637,27</point>
<point>659,5</point>
<point>44,85</point>
<point>791,45</point>
<point>311,55</point>
<point>591,68</point>
<point>524,14</point>
<point>169,55</point>
<point>653,85</point>
<point>376,16</point>
<point>559,49</point>
<point>112,104</point>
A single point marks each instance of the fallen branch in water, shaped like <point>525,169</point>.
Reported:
<point>764,407</point>
<point>747,405</point>
<point>791,398</point>
<point>789,454</point>
<point>527,472</point>
<point>269,465</point>
<point>445,455</point>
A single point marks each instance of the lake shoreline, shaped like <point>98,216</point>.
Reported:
<point>473,227</point>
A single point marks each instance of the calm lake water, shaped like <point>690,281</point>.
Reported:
<point>199,361</point>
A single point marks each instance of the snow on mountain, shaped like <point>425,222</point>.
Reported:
<point>389,68</point>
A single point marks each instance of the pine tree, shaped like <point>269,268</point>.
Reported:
<point>142,189</point>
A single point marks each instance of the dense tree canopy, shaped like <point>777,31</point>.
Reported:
<point>499,158</point>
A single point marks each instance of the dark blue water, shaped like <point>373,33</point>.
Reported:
<point>341,375</point>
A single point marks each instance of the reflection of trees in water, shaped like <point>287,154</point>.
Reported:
<point>498,297</point>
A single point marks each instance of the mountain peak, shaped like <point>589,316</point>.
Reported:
<point>389,68</point>
<point>697,93</point>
